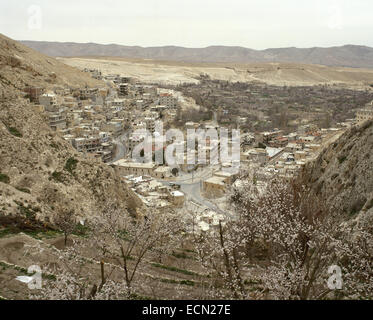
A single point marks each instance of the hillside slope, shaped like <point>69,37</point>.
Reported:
<point>21,66</point>
<point>342,174</point>
<point>344,56</point>
<point>39,171</point>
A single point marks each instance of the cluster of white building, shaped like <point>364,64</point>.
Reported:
<point>91,118</point>
<point>153,194</point>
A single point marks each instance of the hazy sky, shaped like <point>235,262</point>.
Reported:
<point>256,24</point>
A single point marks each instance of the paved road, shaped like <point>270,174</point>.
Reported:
<point>193,193</point>
<point>199,175</point>
<point>191,185</point>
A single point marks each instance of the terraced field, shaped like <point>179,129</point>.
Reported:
<point>174,276</point>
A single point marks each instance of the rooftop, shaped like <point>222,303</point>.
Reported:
<point>162,169</point>
<point>177,193</point>
<point>124,163</point>
<point>223,174</point>
<point>216,180</point>
<point>271,152</point>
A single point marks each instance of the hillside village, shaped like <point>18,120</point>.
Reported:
<point>107,122</point>
<point>74,158</point>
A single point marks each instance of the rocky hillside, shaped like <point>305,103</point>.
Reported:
<point>39,171</point>
<point>343,56</point>
<point>21,66</point>
<point>342,174</point>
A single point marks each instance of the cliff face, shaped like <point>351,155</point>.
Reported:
<point>39,171</point>
<point>343,174</point>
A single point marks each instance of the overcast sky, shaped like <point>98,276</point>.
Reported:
<point>256,24</point>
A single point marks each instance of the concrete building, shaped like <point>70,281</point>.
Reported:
<point>162,172</point>
<point>114,127</point>
<point>300,155</point>
<point>152,90</point>
<point>257,155</point>
<point>141,104</point>
<point>106,153</point>
<point>267,136</point>
<point>365,114</point>
<point>122,103</point>
<point>214,187</point>
<point>167,99</point>
<point>153,194</point>
<point>150,124</point>
<point>273,152</point>
<point>177,198</point>
<point>70,102</point>
<point>228,177</point>
<point>90,144</point>
<point>293,147</point>
<point>279,142</point>
<point>123,89</point>
<point>57,121</point>
<point>48,100</point>
<point>133,168</point>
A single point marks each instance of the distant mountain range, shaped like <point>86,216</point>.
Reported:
<point>344,56</point>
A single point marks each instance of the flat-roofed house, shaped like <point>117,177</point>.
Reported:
<point>57,121</point>
<point>126,168</point>
<point>162,172</point>
<point>177,198</point>
<point>214,186</point>
<point>48,100</point>
<point>228,177</point>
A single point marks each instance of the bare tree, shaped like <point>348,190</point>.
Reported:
<point>284,241</point>
<point>65,221</point>
<point>105,264</point>
<point>127,240</point>
<point>73,281</point>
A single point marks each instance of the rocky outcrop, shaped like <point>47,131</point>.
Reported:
<point>342,174</point>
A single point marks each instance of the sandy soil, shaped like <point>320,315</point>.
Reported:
<point>271,73</point>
